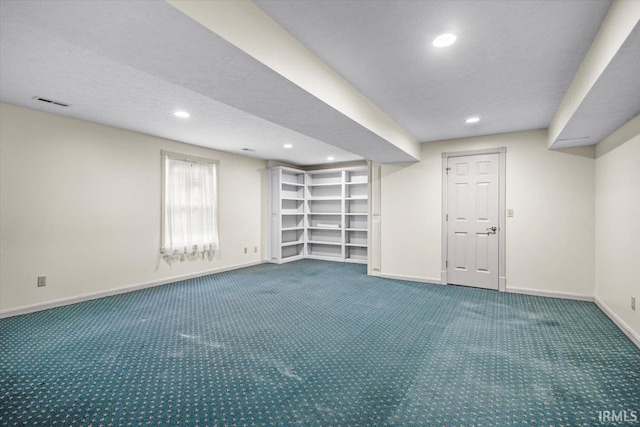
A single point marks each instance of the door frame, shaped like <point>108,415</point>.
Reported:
<point>502,211</point>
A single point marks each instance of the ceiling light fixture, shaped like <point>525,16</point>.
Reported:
<point>182,114</point>
<point>288,146</point>
<point>472,120</point>
<point>444,40</point>
<point>330,158</point>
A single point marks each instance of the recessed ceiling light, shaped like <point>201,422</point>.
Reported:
<point>330,158</point>
<point>472,120</point>
<point>444,40</point>
<point>288,146</point>
<point>182,114</point>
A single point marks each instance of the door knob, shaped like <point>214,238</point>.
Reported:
<point>492,230</point>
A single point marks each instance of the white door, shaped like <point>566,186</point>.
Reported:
<point>473,218</point>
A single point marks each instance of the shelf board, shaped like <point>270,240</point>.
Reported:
<point>331,184</point>
<point>311,199</point>
<point>357,213</point>
<point>325,228</point>
<point>356,229</point>
<point>292,228</point>
<point>324,213</point>
<point>357,198</point>
<point>291,213</point>
<point>356,245</point>
<point>299,199</point>
<point>292,243</point>
<point>356,183</point>
<point>315,242</point>
<point>293,184</point>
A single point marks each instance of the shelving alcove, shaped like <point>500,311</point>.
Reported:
<point>319,214</point>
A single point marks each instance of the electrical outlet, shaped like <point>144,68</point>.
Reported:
<point>255,249</point>
<point>633,303</point>
<point>42,281</point>
<point>245,250</point>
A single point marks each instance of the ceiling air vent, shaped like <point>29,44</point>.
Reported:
<point>251,150</point>
<point>573,139</point>
<point>49,101</point>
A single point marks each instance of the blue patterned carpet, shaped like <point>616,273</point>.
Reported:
<point>319,344</point>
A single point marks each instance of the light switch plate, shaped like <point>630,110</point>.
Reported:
<point>509,212</point>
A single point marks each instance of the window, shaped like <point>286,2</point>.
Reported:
<point>189,207</point>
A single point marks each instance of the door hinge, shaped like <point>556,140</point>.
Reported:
<point>447,217</point>
<point>446,263</point>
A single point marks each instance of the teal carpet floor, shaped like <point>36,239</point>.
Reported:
<point>315,343</point>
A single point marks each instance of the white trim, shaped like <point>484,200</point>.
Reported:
<point>101,294</point>
<point>411,278</point>
<point>287,259</point>
<point>188,157</point>
<point>445,224</point>
<point>502,284</point>
<point>550,294</point>
<point>288,169</point>
<point>325,258</point>
<point>502,221</point>
<point>374,251</point>
<point>502,212</point>
<point>634,337</point>
<point>334,169</point>
<point>497,150</point>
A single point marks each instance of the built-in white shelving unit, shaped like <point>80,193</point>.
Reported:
<point>287,222</point>
<point>319,214</point>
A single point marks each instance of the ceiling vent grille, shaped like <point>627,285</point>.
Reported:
<point>577,138</point>
<point>49,101</point>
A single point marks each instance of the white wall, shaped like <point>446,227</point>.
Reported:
<point>618,231</point>
<point>80,203</point>
<point>550,239</point>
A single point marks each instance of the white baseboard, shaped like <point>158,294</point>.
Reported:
<point>410,278</point>
<point>101,294</point>
<point>635,338</point>
<point>550,294</point>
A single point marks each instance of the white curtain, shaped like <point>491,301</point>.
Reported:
<point>190,208</point>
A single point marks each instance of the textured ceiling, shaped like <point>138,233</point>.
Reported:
<point>511,65</point>
<point>104,91</point>
<point>131,63</point>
